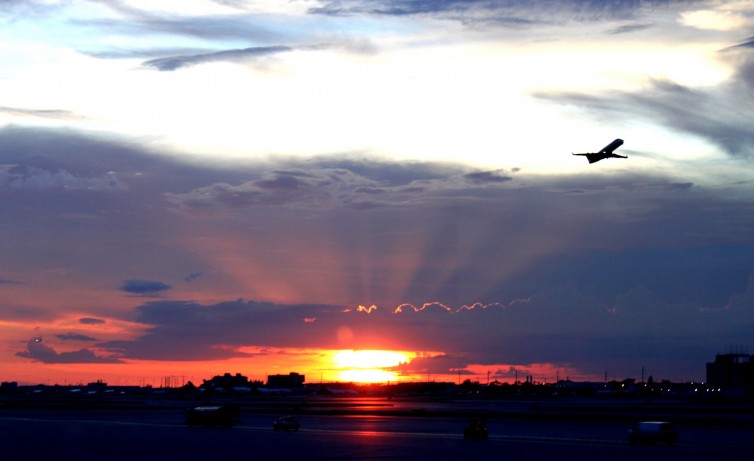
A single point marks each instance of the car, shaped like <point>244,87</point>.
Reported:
<point>286,423</point>
<point>653,432</point>
<point>476,430</point>
<point>212,416</point>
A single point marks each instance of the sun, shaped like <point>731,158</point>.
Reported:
<point>369,359</point>
<point>368,366</point>
<point>367,376</point>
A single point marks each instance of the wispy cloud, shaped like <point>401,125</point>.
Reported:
<point>629,28</point>
<point>715,114</point>
<point>510,12</point>
<point>40,113</point>
<point>240,55</point>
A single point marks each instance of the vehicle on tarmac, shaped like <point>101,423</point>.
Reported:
<point>653,432</point>
<point>286,423</point>
<point>476,430</point>
<point>212,416</point>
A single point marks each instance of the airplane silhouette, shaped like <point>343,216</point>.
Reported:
<point>605,152</point>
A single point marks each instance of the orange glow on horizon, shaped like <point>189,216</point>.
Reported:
<point>369,366</point>
<point>367,376</point>
<point>369,358</point>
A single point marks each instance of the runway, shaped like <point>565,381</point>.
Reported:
<point>160,434</point>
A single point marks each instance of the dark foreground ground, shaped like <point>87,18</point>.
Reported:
<point>369,429</point>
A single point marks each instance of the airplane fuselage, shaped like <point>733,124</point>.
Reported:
<point>605,152</point>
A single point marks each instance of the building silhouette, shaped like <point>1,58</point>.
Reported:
<point>732,373</point>
<point>285,381</point>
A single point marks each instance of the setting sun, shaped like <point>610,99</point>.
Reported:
<point>368,366</point>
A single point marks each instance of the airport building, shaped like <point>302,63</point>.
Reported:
<point>285,381</point>
<point>732,373</point>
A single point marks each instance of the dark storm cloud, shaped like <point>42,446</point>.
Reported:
<point>238,55</point>
<point>183,330</point>
<point>39,352</point>
<point>75,337</point>
<point>144,287</point>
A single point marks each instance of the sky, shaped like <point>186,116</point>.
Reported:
<point>264,187</point>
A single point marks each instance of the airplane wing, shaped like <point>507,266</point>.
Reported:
<point>611,147</point>
<point>593,157</point>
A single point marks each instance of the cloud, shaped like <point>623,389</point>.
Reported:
<point>235,27</point>
<point>508,13</point>
<point>715,114</point>
<point>91,321</point>
<point>442,364</point>
<point>192,277</point>
<point>26,177</point>
<point>315,188</point>
<point>330,186</point>
<point>572,318</point>
<point>41,353</point>
<point>74,337</point>
<point>238,55</point>
<point>144,287</point>
<point>715,19</point>
<point>40,113</point>
<point>222,329</point>
<point>567,269</point>
<point>747,44</point>
<point>491,177</point>
<point>629,28</point>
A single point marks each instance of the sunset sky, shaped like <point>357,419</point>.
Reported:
<point>195,187</point>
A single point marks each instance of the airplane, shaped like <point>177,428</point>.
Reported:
<point>606,152</point>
